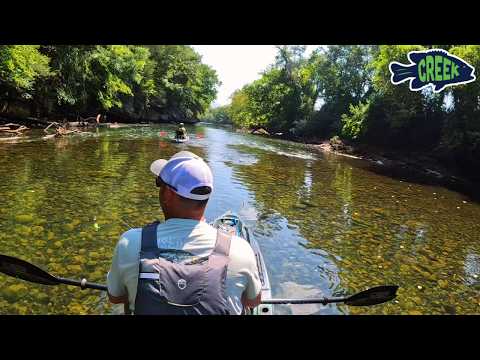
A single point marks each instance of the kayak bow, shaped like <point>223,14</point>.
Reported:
<point>232,224</point>
<point>180,140</point>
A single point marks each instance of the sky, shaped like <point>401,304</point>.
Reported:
<point>237,65</point>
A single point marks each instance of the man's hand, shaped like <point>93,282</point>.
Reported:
<point>118,299</point>
<point>251,303</point>
<point>121,300</point>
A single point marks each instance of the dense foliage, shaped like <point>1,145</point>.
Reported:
<point>338,90</point>
<point>218,115</point>
<point>345,90</point>
<point>133,82</point>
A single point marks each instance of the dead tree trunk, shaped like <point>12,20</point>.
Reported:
<point>12,128</point>
<point>59,131</point>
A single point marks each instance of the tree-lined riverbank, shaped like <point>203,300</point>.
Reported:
<point>345,91</point>
<point>128,83</point>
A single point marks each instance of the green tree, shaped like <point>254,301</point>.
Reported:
<point>96,78</point>
<point>128,80</point>
<point>270,101</point>
<point>184,85</point>
<point>69,87</point>
<point>114,71</point>
<point>238,109</point>
<point>461,133</point>
<point>346,79</point>
<point>21,66</point>
<point>354,122</point>
<point>284,95</point>
<point>218,115</point>
<point>389,118</point>
<point>466,97</point>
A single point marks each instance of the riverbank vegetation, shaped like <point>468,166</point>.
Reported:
<point>345,91</point>
<point>126,82</point>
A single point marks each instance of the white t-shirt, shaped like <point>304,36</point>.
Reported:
<point>196,237</point>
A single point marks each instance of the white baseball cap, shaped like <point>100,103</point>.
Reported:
<point>186,173</point>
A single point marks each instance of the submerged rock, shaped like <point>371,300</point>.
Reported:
<point>14,292</point>
<point>24,218</point>
<point>76,269</point>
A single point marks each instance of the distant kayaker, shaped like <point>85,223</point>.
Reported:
<point>181,132</point>
<point>186,266</point>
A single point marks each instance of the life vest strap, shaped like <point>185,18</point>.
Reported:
<point>152,276</point>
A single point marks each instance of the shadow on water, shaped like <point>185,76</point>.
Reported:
<point>422,176</point>
<point>376,230</point>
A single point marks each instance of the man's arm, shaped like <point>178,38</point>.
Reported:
<point>114,281</point>
<point>252,295</point>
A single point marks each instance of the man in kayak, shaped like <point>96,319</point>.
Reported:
<point>181,132</point>
<point>186,266</point>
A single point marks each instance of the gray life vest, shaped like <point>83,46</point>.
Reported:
<point>169,288</point>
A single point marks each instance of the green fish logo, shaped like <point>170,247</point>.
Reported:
<point>436,68</point>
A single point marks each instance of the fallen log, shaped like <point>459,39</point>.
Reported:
<point>80,124</point>
<point>59,131</point>
<point>10,125</point>
<point>260,131</point>
<point>52,123</point>
<point>62,131</point>
<point>13,131</point>
<point>90,118</point>
<point>28,121</point>
<point>12,138</point>
<point>49,136</point>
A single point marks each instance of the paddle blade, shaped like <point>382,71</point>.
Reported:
<point>24,270</point>
<point>373,296</point>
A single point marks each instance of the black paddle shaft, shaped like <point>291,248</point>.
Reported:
<point>323,301</point>
<point>24,270</point>
<point>372,296</point>
<point>84,284</point>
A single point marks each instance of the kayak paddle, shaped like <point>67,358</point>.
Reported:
<point>372,296</point>
<point>24,270</point>
<point>196,136</point>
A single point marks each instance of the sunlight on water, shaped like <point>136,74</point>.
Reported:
<point>326,225</point>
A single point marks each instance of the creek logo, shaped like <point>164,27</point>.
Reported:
<point>435,67</point>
